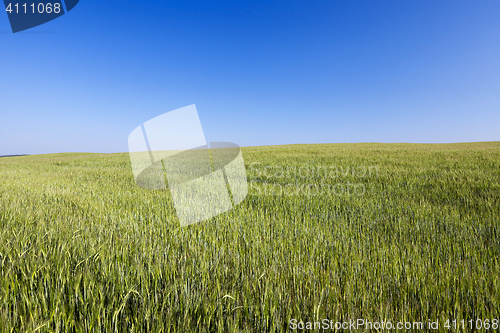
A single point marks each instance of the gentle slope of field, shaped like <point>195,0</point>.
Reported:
<point>393,232</point>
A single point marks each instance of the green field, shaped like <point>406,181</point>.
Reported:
<point>392,232</point>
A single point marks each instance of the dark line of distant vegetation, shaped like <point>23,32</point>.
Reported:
<point>13,155</point>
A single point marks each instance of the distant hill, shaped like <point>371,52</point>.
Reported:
<point>13,155</point>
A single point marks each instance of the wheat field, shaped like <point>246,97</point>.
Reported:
<point>393,232</point>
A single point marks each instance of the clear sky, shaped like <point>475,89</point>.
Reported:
<point>259,72</point>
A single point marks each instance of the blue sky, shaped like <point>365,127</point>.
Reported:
<point>259,72</point>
